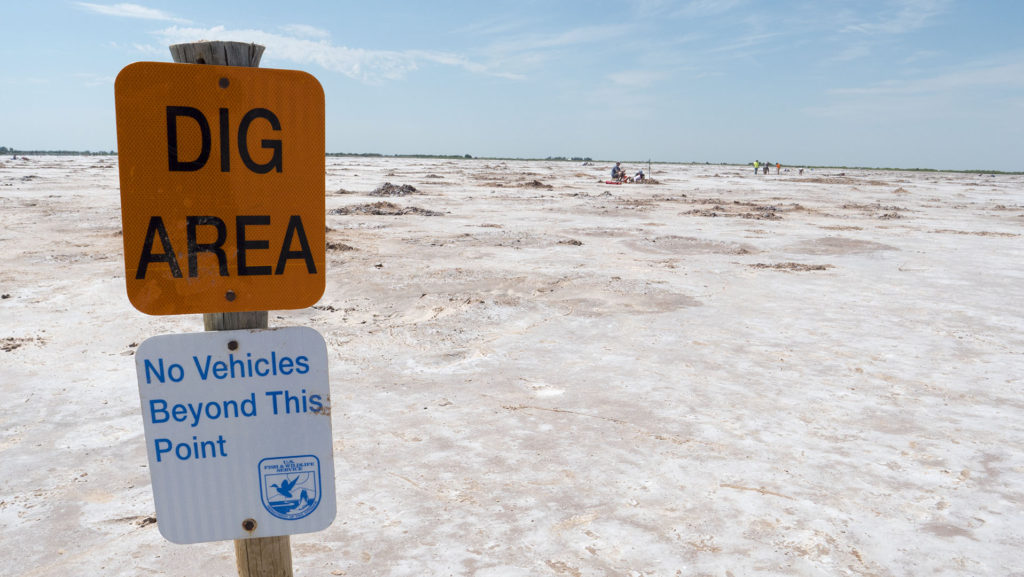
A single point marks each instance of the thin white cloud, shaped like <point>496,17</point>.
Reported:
<point>92,80</point>
<point>306,31</point>
<point>903,17</point>
<point>877,30</point>
<point>147,49</point>
<point>650,8</point>
<point>921,55</point>
<point>371,66</point>
<point>996,81</point>
<point>492,27</point>
<point>854,52</point>
<point>150,49</point>
<point>125,10</point>
<point>740,45</point>
<point>704,8</point>
<point>637,78</point>
<point>1008,74</point>
<point>576,36</point>
<point>27,80</point>
<point>449,59</point>
<point>531,50</point>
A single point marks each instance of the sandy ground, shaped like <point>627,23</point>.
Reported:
<point>535,373</point>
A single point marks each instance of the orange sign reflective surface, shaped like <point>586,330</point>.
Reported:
<point>222,187</point>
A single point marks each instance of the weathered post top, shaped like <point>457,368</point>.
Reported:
<point>218,53</point>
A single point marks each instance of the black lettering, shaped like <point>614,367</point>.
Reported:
<point>225,142</point>
<point>241,221</point>
<point>295,228</point>
<point>194,247</point>
<point>275,162</point>
<point>156,227</point>
<point>173,163</point>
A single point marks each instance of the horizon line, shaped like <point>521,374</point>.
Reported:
<point>51,152</point>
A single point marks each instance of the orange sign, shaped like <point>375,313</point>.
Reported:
<point>222,187</point>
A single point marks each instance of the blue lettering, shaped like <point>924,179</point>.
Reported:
<point>179,413</point>
<point>196,412</point>
<point>196,449</point>
<point>236,363</point>
<point>204,370</point>
<point>273,398</point>
<point>158,411</point>
<point>286,365</point>
<point>157,371</point>
<point>262,372</point>
<point>162,446</point>
<point>220,370</point>
<point>174,371</point>
<point>249,406</point>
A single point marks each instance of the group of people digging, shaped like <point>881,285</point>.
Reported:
<point>619,174</point>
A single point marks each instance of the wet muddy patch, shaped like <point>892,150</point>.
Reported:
<point>688,245</point>
<point>974,233</point>
<point>836,245</point>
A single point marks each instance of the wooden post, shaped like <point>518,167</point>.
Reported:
<point>259,556</point>
<point>219,53</point>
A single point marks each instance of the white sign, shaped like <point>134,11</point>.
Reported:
<point>238,432</point>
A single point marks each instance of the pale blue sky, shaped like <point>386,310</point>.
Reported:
<point>897,83</point>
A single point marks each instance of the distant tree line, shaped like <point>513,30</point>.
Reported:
<point>14,151</point>
<point>378,155</point>
<point>574,158</point>
<point>453,156</point>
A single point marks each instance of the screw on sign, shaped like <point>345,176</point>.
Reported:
<point>222,187</point>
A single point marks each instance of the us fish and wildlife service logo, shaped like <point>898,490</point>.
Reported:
<point>290,486</point>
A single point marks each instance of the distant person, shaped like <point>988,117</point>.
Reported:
<point>778,168</point>
<point>639,176</point>
<point>765,169</point>
<point>617,173</point>
<point>757,163</point>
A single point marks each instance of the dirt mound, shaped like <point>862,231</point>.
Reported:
<point>792,266</point>
<point>536,184</point>
<point>339,246</point>
<point>755,212</point>
<point>8,344</point>
<point>388,189</point>
<point>384,208</point>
